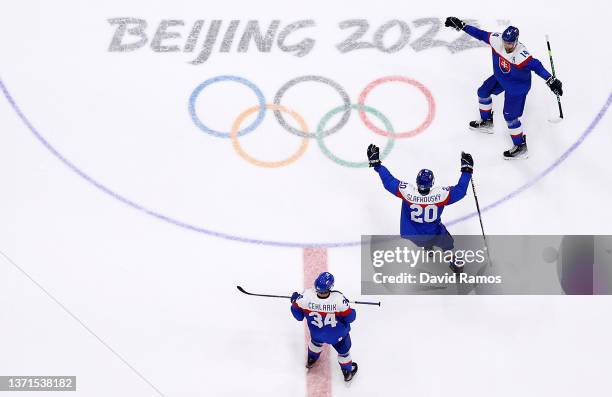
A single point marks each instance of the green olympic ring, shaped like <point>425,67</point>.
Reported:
<point>354,164</point>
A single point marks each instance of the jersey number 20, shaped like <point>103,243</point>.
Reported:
<point>319,322</point>
<point>419,214</point>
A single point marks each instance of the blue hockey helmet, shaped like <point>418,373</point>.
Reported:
<point>511,34</point>
<point>425,179</point>
<point>324,282</point>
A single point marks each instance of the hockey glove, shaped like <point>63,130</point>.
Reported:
<point>467,163</point>
<point>555,85</point>
<point>455,23</point>
<point>374,155</point>
<point>294,297</point>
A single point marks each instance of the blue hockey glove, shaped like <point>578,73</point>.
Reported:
<point>294,297</point>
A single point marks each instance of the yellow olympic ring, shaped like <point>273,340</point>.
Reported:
<point>268,164</point>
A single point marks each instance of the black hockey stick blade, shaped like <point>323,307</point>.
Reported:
<point>558,118</point>
<point>367,303</point>
<point>264,295</point>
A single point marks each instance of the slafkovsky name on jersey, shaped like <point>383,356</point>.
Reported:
<point>410,193</point>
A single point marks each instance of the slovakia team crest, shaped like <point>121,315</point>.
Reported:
<point>504,65</point>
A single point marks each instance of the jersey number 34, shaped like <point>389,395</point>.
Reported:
<point>427,214</point>
<point>319,322</point>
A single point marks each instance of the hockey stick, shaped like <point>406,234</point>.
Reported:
<point>484,236</point>
<point>552,66</point>
<point>288,297</point>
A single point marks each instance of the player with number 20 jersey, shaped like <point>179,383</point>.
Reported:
<point>423,204</point>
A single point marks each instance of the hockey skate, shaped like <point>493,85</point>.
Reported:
<point>517,151</point>
<point>310,362</point>
<point>485,126</point>
<point>348,375</point>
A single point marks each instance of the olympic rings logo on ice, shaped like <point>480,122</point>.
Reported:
<point>237,129</point>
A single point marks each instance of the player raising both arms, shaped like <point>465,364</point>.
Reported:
<point>512,67</point>
<point>422,205</point>
<point>329,318</point>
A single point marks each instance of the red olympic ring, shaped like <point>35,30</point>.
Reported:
<point>431,104</point>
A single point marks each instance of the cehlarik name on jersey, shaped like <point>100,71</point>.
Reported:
<point>316,307</point>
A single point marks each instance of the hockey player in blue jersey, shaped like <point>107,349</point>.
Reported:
<point>329,319</point>
<point>422,206</point>
<point>512,67</point>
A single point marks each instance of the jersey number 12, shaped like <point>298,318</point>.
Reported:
<point>319,322</point>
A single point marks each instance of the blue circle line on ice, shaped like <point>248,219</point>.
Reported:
<point>289,244</point>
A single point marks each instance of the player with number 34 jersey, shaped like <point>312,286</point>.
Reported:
<point>329,317</point>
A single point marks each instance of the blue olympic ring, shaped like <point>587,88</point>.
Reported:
<point>260,98</point>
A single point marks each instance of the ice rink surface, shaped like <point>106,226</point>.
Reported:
<point>125,226</point>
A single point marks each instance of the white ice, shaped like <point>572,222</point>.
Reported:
<point>163,297</point>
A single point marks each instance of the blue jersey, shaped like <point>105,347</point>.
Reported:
<point>512,70</point>
<point>421,214</point>
<point>329,319</point>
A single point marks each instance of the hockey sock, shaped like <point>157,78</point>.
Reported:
<point>516,131</point>
<point>485,105</point>
<point>314,350</point>
<point>345,361</point>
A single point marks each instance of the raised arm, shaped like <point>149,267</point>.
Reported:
<point>458,24</point>
<point>458,191</point>
<point>389,181</point>
<point>478,34</point>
